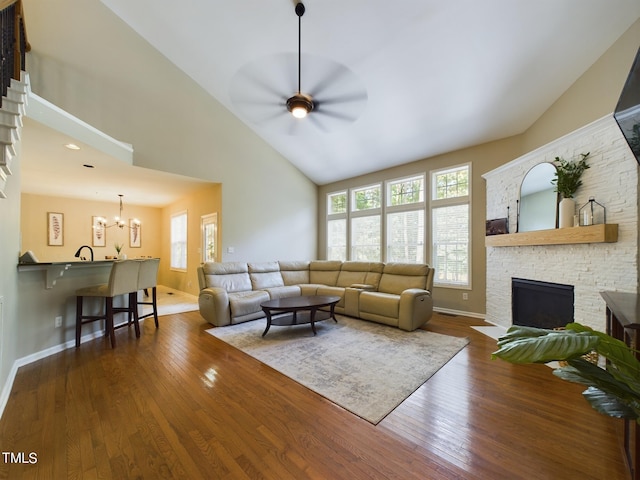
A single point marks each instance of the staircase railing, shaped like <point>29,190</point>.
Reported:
<point>13,42</point>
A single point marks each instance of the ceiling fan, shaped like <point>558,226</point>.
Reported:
<point>265,93</point>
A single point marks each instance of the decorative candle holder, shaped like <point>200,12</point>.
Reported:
<point>592,213</point>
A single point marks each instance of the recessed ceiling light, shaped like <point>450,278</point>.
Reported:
<point>72,146</point>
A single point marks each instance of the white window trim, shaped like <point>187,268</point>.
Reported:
<point>448,202</point>
<point>409,207</point>
<point>209,219</point>
<point>381,211</point>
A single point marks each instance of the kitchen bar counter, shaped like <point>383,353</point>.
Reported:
<point>55,270</point>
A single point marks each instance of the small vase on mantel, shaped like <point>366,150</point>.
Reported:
<point>566,211</point>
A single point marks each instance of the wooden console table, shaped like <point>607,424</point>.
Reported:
<point>623,323</point>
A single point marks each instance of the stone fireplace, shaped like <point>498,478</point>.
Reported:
<point>612,180</point>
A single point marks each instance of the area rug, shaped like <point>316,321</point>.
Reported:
<point>364,367</point>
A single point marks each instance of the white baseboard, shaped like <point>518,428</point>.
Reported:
<point>449,311</point>
<point>20,362</point>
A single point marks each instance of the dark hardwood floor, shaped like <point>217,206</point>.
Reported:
<point>179,403</point>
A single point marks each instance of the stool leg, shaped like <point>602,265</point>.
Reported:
<point>109,321</point>
<point>133,310</point>
<point>78,319</point>
<point>154,302</point>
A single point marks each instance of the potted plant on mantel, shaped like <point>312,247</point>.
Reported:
<point>614,391</point>
<point>567,181</point>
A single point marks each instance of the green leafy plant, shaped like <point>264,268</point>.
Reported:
<point>614,391</point>
<point>568,173</point>
<point>118,247</point>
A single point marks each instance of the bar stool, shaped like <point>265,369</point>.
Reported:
<point>148,279</point>
<point>123,280</point>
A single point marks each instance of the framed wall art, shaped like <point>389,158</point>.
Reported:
<point>55,229</point>
<point>98,232</point>
<point>135,233</point>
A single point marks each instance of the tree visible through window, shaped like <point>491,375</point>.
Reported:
<point>366,228</point>
<point>405,220</point>
<point>450,218</point>
<point>337,226</point>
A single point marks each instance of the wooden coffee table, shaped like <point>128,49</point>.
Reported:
<point>301,309</point>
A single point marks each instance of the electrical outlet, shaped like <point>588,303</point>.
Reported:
<point>465,296</point>
<point>58,321</point>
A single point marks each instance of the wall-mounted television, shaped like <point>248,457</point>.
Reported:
<point>627,112</point>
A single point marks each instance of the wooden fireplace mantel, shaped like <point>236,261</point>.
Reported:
<point>603,233</point>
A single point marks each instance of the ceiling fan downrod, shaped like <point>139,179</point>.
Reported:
<point>300,105</point>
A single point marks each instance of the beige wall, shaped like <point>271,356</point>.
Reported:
<point>201,202</point>
<point>10,325</point>
<point>592,96</point>
<point>156,233</point>
<point>483,159</point>
<point>77,228</point>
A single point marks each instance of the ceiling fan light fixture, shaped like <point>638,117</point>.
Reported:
<point>300,105</point>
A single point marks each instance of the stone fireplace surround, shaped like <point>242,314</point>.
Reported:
<point>591,268</point>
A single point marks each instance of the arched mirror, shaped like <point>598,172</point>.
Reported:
<point>538,200</point>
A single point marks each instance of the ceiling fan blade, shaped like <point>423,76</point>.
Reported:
<point>332,77</point>
<point>250,81</point>
<point>315,119</point>
<point>347,98</point>
<point>337,115</point>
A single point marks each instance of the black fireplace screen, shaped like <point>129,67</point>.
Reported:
<point>541,304</point>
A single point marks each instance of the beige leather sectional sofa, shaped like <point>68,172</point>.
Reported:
<point>397,294</point>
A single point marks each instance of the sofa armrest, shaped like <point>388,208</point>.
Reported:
<point>416,308</point>
<point>214,306</point>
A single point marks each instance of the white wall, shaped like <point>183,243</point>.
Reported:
<point>613,180</point>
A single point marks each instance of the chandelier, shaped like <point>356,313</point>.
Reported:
<point>118,221</point>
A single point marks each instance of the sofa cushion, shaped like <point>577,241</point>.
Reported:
<point>294,272</point>
<point>324,272</point>
<point>398,277</point>
<point>244,303</point>
<point>332,291</point>
<point>232,276</point>
<point>363,273</point>
<point>283,292</point>
<point>265,275</point>
<point>384,304</point>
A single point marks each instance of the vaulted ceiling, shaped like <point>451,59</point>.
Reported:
<point>393,81</point>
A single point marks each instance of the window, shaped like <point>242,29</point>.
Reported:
<point>450,218</point>
<point>179,241</point>
<point>337,226</point>
<point>405,237</point>
<point>405,220</point>
<point>337,239</point>
<point>209,226</point>
<point>360,218</point>
<point>366,230</point>
<point>365,238</point>
<point>337,203</point>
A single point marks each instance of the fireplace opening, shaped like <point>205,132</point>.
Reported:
<point>541,304</point>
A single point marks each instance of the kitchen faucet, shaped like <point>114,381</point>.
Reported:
<point>80,249</point>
